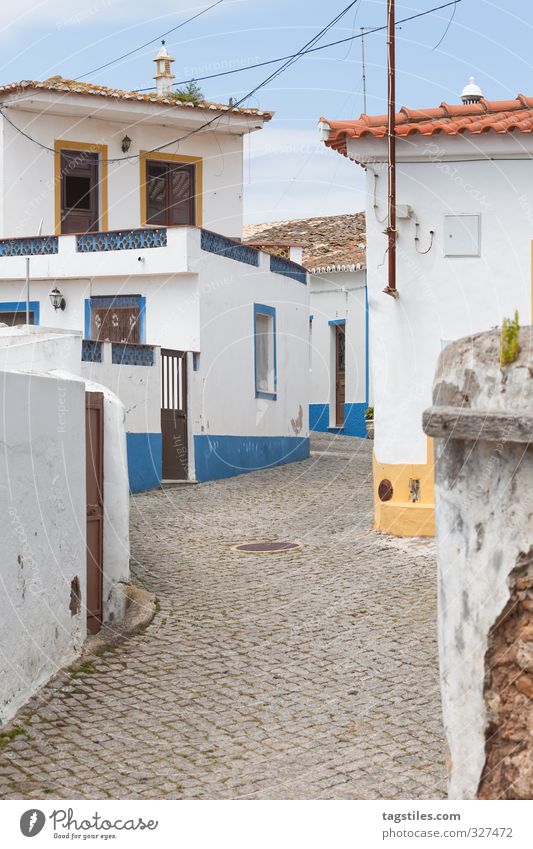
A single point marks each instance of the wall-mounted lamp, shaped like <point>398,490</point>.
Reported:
<point>126,144</point>
<point>57,299</point>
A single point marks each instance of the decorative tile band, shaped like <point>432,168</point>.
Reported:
<point>290,269</point>
<point>125,354</point>
<point>91,351</point>
<point>35,246</point>
<point>216,244</point>
<point>121,240</point>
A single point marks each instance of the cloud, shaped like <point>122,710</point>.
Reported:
<point>290,174</point>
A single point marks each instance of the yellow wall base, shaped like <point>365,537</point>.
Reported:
<point>400,516</point>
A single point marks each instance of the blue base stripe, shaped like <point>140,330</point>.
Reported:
<point>354,419</point>
<point>226,456</point>
<point>319,417</point>
<point>144,460</point>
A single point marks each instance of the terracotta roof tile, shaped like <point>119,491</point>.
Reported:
<point>60,84</point>
<point>499,116</point>
<point>329,242</point>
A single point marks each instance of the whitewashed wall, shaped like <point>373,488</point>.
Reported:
<point>28,190</point>
<point>42,502</point>
<point>441,298</point>
<point>224,385</point>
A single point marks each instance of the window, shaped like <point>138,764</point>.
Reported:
<point>265,351</point>
<point>80,186</point>
<point>79,191</point>
<point>170,192</point>
<point>116,318</point>
<point>14,314</point>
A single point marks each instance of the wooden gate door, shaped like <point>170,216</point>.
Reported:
<point>174,414</point>
<point>94,463</point>
<point>340,376</point>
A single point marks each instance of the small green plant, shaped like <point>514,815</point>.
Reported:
<point>369,413</point>
<point>12,734</point>
<point>191,93</point>
<point>510,340</point>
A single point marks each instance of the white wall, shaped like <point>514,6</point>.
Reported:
<point>42,502</point>
<point>338,295</point>
<point>441,298</point>
<point>138,387</point>
<point>29,171</point>
<point>223,389</point>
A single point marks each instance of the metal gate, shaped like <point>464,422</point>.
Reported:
<point>94,464</point>
<point>174,414</point>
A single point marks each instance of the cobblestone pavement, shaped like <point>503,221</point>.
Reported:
<point>310,674</point>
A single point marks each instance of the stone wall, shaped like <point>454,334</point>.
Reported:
<point>482,421</point>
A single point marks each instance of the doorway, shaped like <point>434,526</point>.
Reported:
<point>79,191</point>
<point>340,373</point>
<point>174,414</point>
<point>94,465</point>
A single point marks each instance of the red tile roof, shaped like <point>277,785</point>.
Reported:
<point>499,116</point>
<point>60,84</point>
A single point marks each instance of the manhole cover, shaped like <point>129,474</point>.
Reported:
<point>266,547</point>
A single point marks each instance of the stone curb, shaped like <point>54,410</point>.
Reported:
<point>141,607</point>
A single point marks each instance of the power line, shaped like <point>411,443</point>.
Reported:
<point>368,31</point>
<point>295,56</point>
<point>152,41</point>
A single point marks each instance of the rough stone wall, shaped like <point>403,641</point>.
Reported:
<point>484,522</point>
<point>508,770</point>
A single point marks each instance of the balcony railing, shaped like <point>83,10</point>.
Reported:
<point>34,246</point>
<point>121,240</point>
<point>122,353</point>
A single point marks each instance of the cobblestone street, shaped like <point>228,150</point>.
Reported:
<point>308,674</point>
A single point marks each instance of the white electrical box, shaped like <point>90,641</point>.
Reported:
<point>462,235</point>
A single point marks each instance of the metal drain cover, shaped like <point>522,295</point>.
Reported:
<point>266,547</point>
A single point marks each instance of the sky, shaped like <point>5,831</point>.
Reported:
<point>288,172</point>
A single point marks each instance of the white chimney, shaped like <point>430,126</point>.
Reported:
<point>471,92</point>
<point>163,78</point>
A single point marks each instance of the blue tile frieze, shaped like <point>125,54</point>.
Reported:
<point>127,354</point>
<point>91,351</point>
<point>290,269</point>
<point>34,246</point>
<point>216,244</point>
<point>121,240</point>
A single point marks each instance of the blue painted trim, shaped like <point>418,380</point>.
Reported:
<point>280,265</point>
<point>367,354</point>
<point>354,420</point>
<point>145,453</point>
<point>142,320</point>
<point>227,456</point>
<point>319,417</point>
<point>263,309</point>
<point>87,319</point>
<point>20,306</point>
<point>311,317</point>
<point>335,321</point>
<point>107,300</point>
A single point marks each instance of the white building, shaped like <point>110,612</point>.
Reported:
<point>332,248</point>
<point>465,226</point>
<point>132,187</point>
<point>64,500</point>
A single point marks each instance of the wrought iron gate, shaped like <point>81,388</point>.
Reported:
<point>174,414</point>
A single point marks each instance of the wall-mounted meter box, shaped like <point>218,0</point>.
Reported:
<point>462,235</point>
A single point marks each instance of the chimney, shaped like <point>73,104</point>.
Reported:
<point>471,92</point>
<point>163,78</point>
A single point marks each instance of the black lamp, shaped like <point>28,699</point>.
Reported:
<point>57,299</point>
<point>126,143</point>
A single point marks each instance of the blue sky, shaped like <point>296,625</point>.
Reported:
<point>288,173</point>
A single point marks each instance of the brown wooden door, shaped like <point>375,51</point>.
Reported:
<point>174,414</point>
<point>170,193</point>
<point>79,191</point>
<point>94,464</point>
<point>340,375</point>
